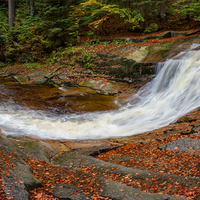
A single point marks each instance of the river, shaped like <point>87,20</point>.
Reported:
<point>174,92</point>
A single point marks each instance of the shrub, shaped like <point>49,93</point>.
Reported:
<point>151,28</point>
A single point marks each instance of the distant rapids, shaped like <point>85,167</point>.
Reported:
<point>174,92</point>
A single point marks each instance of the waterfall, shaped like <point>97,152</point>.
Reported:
<point>174,92</point>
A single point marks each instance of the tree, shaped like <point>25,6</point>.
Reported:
<point>31,9</point>
<point>127,3</point>
<point>11,11</point>
<point>55,20</point>
<point>162,9</point>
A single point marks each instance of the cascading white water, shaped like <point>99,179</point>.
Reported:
<point>174,92</point>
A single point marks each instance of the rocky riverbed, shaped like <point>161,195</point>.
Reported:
<point>160,164</point>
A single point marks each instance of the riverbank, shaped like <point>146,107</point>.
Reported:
<point>111,67</point>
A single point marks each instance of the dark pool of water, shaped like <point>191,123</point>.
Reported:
<point>59,100</point>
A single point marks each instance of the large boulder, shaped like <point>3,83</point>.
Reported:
<point>16,175</point>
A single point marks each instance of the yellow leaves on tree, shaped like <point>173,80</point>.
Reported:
<point>97,23</point>
<point>90,3</point>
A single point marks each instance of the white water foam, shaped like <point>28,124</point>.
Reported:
<point>174,92</point>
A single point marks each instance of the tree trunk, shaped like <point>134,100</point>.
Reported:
<point>31,9</point>
<point>162,9</point>
<point>11,13</point>
<point>127,3</point>
<point>188,15</point>
<point>153,7</point>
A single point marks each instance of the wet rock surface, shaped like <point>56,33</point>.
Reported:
<point>16,176</point>
<point>109,190</point>
<point>76,157</point>
<point>183,144</point>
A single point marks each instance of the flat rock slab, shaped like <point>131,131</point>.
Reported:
<point>22,78</point>
<point>113,190</point>
<point>183,144</point>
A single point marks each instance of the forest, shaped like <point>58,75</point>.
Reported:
<point>32,29</point>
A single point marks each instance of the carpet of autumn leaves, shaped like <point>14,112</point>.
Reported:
<point>116,48</point>
<point>108,48</point>
<point>49,176</point>
<point>83,177</point>
<point>143,156</point>
<point>149,157</point>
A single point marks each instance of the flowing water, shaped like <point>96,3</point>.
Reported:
<point>174,92</point>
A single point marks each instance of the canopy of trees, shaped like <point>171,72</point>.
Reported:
<point>36,27</point>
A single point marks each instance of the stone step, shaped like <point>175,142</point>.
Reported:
<point>112,190</point>
<point>124,184</point>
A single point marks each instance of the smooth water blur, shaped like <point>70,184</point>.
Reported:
<point>23,105</point>
<point>173,93</point>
